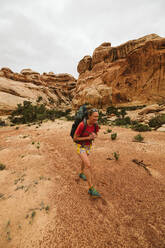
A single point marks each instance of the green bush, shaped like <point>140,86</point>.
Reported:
<point>138,138</point>
<point>116,155</point>
<point>2,123</point>
<point>28,113</point>
<point>113,136</point>
<point>39,99</point>
<point>51,100</point>
<point>102,118</point>
<point>2,166</point>
<point>122,122</point>
<point>157,121</point>
<point>131,108</point>
<point>112,110</point>
<point>123,113</point>
<point>141,127</point>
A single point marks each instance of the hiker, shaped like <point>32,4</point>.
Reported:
<point>84,139</point>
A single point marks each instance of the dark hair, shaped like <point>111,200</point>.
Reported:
<point>91,111</point>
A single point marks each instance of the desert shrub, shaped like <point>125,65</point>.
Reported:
<point>51,100</point>
<point>131,108</point>
<point>28,113</point>
<point>123,121</point>
<point>141,127</point>
<point>2,123</point>
<point>116,155</point>
<point>112,110</point>
<point>102,118</point>
<point>39,99</point>
<point>123,112</point>
<point>2,166</point>
<point>157,121</point>
<point>139,138</point>
<point>113,136</point>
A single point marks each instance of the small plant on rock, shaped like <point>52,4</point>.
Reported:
<point>39,99</point>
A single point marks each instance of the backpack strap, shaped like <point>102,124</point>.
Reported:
<point>85,125</point>
<point>95,127</point>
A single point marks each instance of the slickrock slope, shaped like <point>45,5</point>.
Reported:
<point>133,72</point>
<point>55,89</point>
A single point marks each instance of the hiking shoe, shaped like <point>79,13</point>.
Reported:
<point>82,176</point>
<point>93,192</point>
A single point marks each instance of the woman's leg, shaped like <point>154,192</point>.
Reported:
<point>82,167</point>
<point>86,167</point>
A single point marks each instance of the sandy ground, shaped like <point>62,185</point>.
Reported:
<point>44,204</point>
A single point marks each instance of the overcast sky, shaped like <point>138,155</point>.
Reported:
<point>54,35</point>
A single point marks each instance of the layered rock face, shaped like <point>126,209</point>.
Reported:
<point>54,89</point>
<point>132,73</point>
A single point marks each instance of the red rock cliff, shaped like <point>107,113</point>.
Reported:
<point>131,73</point>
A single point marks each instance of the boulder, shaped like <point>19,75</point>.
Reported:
<point>84,64</point>
<point>161,129</point>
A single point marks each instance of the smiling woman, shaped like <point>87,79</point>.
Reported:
<point>84,139</point>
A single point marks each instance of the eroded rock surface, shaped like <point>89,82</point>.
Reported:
<point>133,72</point>
<point>55,89</point>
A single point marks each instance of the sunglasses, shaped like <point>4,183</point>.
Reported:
<point>93,110</point>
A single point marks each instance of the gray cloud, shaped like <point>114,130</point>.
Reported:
<point>54,35</point>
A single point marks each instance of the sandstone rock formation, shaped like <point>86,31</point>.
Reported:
<point>55,89</point>
<point>132,73</point>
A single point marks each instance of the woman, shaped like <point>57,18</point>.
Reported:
<point>84,139</point>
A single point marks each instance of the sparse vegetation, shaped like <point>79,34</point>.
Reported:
<point>8,236</point>
<point>113,136</point>
<point>28,113</point>
<point>25,136</point>
<point>157,121</point>
<point>2,166</point>
<point>116,155</point>
<point>47,208</point>
<point>141,127</point>
<point>39,99</point>
<point>102,118</point>
<point>138,138</point>
<point>2,123</point>
<point>112,110</point>
<point>51,100</point>
<point>19,187</point>
<point>33,214</point>
<point>1,195</point>
<point>8,223</point>
<point>122,121</point>
<point>38,145</point>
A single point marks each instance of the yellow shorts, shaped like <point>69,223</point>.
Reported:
<point>83,148</point>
